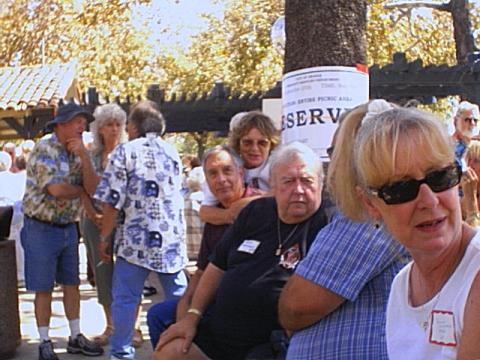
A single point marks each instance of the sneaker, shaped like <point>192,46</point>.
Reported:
<point>81,345</point>
<point>45,351</point>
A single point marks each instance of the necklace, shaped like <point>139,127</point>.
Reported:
<point>279,236</point>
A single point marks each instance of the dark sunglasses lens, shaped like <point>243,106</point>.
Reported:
<point>443,179</point>
<point>404,191</point>
<point>400,192</point>
<point>471,120</point>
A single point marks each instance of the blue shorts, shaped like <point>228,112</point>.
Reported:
<point>51,255</point>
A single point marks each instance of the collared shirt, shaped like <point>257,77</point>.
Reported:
<point>357,262</point>
<point>143,181</point>
<point>49,163</point>
<point>460,149</point>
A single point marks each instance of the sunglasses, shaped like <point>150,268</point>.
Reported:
<point>260,143</point>
<point>471,120</point>
<point>407,190</point>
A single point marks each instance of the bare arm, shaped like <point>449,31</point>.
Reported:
<point>109,222</point>
<point>303,303</point>
<point>64,190</point>
<point>90,212</point>
<point>469,200</point>
<point>186,328</point>
<point>89,175</point>
<point>186,300</point>
<point>469,347</point>
<point>217,216</point>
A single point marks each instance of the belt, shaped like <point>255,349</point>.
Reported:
<point>48,222</point>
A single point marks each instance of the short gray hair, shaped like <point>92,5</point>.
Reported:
<point>147,118</point>
<point>285,154</point>
<point>103,115</point>
<point>218,149</point>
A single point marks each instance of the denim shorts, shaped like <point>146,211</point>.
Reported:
<point>51,255</point>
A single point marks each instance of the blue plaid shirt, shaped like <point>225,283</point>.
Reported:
<point>357,262</point>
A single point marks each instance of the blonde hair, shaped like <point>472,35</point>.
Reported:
<point>473,151</point>
<point>365,153</point>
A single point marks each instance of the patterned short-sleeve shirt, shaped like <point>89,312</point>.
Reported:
<point>143,181</point>
<point>49,163</point>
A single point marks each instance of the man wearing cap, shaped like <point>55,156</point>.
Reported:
<point>49,236</point>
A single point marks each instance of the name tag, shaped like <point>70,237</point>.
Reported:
<point>249,246</point>
<point>442,331</point>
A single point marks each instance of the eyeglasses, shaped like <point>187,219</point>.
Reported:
<point>263,143</point>
<point>471,120</point>
<point>403,191</point>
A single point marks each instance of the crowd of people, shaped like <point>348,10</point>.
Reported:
<point>376,259</point>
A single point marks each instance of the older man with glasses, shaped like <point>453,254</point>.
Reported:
<point>465,121</point>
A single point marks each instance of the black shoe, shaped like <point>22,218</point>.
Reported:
<point>45,351</point>
<point>149,291</point>
<point>81,345</point>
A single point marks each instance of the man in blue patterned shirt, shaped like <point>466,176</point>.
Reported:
<point>141,192</point>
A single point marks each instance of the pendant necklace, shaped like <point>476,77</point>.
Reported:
<point>279,236</point>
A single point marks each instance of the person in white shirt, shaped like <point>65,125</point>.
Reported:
<point>399,168</point>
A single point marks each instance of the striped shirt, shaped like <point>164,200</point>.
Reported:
<point>357,262</point>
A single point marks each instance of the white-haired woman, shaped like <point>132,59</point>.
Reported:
<point>108,131</point>
<point>399,164</point>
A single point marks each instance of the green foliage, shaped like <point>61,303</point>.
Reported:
<point>112,54</point>
<point>414,33</point>
<point>116,57</point>
<point>236,49</point>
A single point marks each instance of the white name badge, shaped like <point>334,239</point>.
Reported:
<point>249,246</point>
<point>442,330</point>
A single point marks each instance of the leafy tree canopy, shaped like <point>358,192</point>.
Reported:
<point>116,57</point>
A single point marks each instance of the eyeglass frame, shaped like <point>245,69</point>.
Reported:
<point>378,192</point>
<point>262,143</point>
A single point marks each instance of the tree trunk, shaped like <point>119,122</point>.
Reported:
<point>324,32</point>
<point>464,42</point>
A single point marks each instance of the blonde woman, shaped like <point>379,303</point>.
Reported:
<point>397,166</point>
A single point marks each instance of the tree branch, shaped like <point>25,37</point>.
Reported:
<point>416,4</point>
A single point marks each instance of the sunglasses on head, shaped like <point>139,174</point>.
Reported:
<point>407,190</point>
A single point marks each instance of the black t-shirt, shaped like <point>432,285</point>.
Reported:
<point>211,236</point>
<point>245,313</point>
